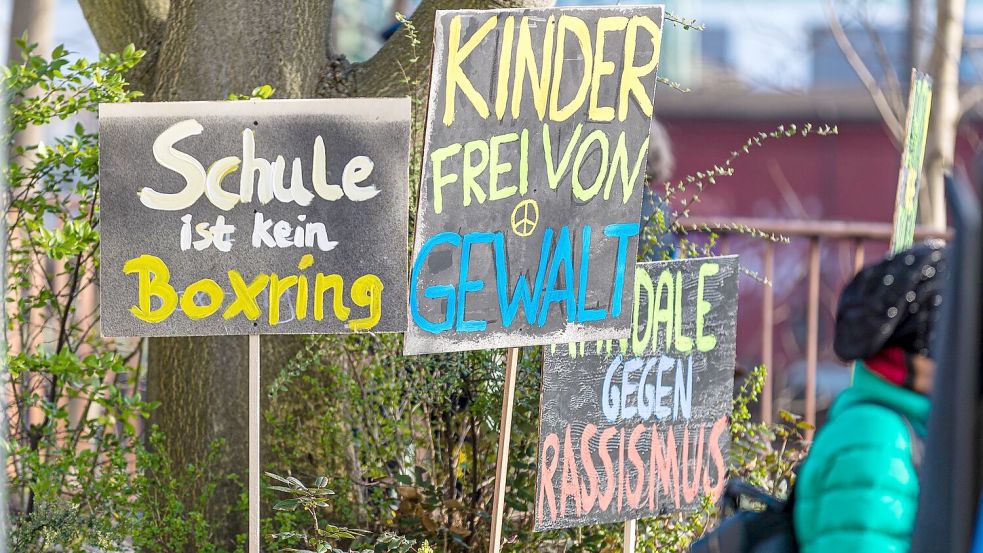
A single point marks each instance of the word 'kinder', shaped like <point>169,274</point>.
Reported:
<point>517,59</point>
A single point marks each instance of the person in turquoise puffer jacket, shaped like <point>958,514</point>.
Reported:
<point>858,489</point>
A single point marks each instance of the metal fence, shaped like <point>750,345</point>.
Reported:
<point>823,255</point>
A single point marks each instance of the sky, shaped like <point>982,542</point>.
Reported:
<point>768,43</point>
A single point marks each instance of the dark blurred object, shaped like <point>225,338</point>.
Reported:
<point>950,480</point>
<point>660,159</point>
<point>389,31</point>
<point>890,305</point>
<point>749,531</point>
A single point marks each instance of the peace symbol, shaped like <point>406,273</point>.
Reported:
<point>525,217</point>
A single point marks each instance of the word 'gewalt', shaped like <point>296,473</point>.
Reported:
<point>267,187</point>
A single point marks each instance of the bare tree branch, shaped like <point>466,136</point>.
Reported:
<point>940,144</point>
<point>383,75</point>
<point>891,119</point>
<point>895,93</point>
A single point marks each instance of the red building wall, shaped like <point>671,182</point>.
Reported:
<point>851,176</point>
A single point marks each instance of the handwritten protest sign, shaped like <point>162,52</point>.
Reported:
<point>631,428</point>
<point>534,162</point>
<point>256,217</point>
<point>912,158</point>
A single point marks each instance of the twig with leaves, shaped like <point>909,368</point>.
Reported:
<point>314,498</point>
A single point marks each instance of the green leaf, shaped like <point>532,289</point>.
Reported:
<point>286,505</point>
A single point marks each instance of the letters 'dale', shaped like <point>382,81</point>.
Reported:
<point>636,427</point>
<point>254,217</point>
<point>534,162</point>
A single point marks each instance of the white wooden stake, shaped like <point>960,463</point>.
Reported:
<point>629,541</point>
<point>254,395</point>
<point>504,437</point>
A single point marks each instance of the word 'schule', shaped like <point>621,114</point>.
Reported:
<point>268,185</point>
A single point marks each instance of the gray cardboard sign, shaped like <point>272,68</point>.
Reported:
<point>637,427</point>
<point>254,217</point>
<point>533,169</point>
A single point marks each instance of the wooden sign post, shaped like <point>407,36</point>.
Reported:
<point>912,158</point>
<point>504,438</point>
<point>291,229</point>
<point>628,542</point>
<point>255,397</point>
<point>636,427</point>
<point>531,187</point>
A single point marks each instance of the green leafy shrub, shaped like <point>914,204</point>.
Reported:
<point>74,405</point>
<point>161,517</point>
<point>411,445</point>
<point>81,474</point>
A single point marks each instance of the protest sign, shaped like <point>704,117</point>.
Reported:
<point>253,217</point>
<point>636,427</point>
<point>912,157</point>
<point>534,164</point>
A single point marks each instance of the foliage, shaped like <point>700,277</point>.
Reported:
<point>161,516</point>
<point>676,201</point>
<point>411,445</point>
<point>264,92</point>
<point>375,409</point>
<point>416,89</point>
<point>61,524</point>
<point>74,405</point>
<point>80,475</point>
<point>762,454</point>
<point>314,498</point>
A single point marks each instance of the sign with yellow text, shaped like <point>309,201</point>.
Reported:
<point>254,217</point>
<point>912,159</point>
<point>637,427</point>
<point>533,169</point>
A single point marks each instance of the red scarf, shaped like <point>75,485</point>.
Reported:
<point>891,364</point>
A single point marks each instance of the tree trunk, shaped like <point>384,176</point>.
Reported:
<point>200,50</point>
<point>913,47</point>
<point>941,141</point>
<point>33,17</point>
<point>208,53</point>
